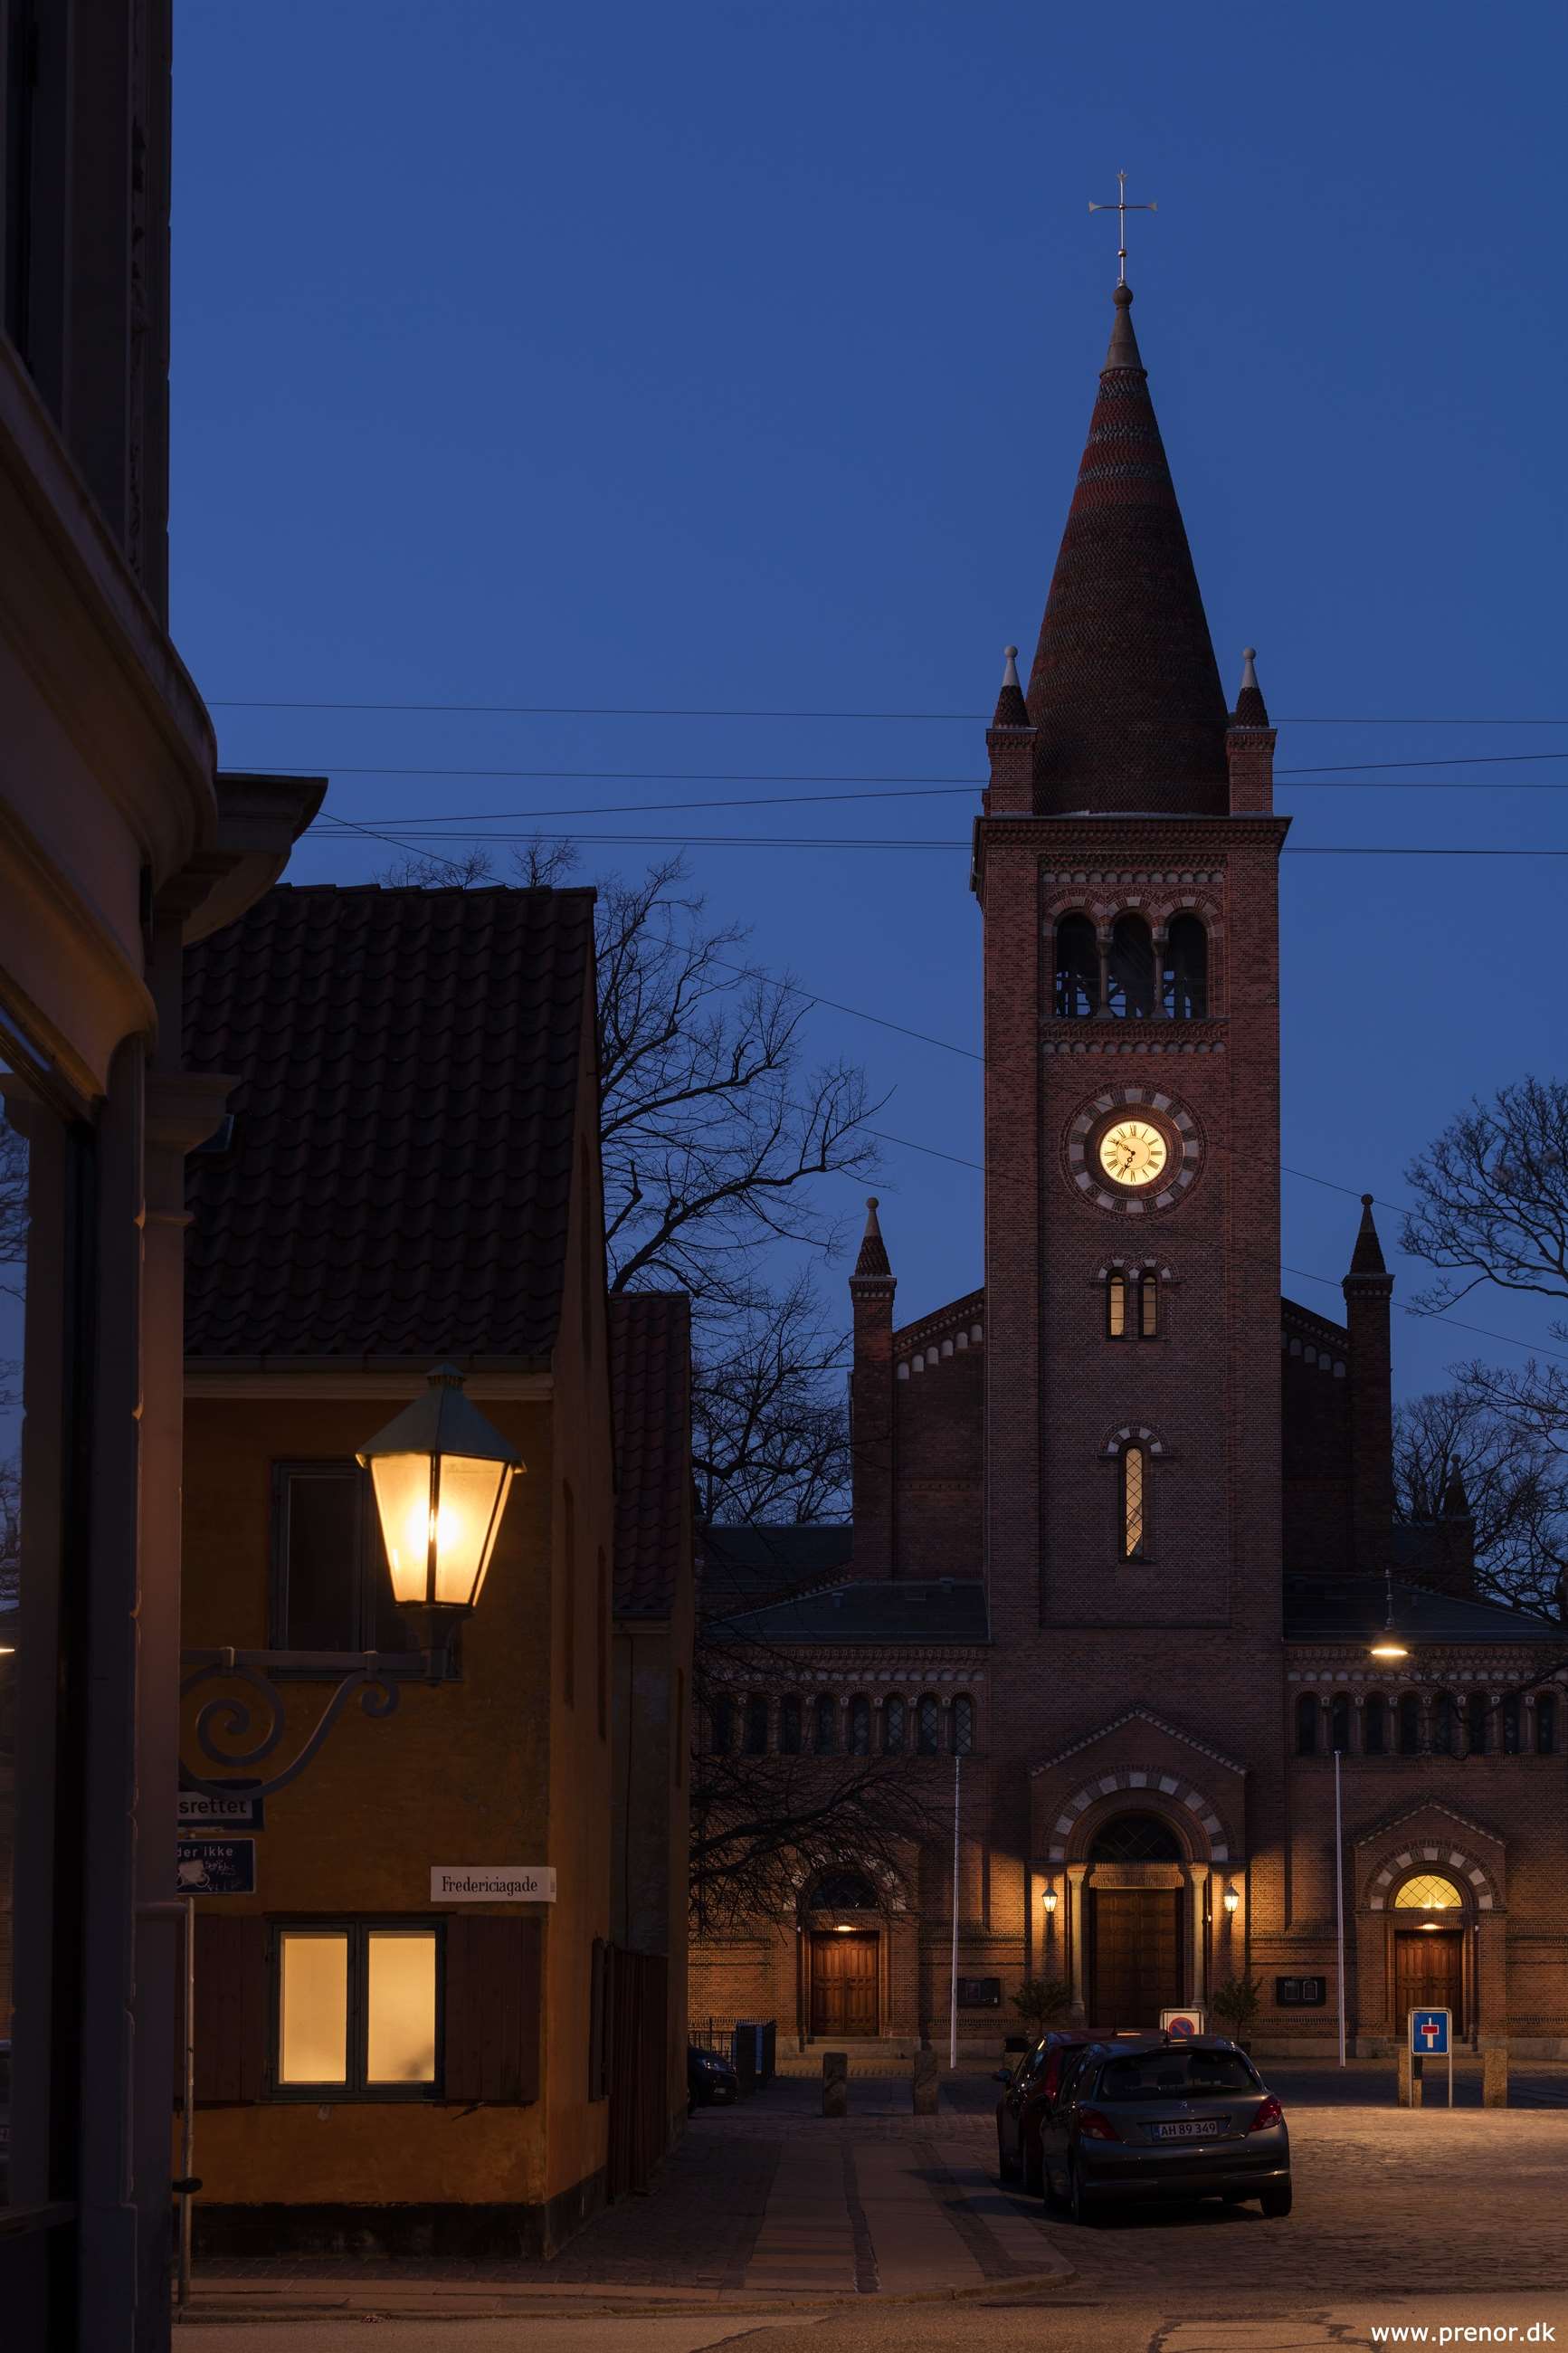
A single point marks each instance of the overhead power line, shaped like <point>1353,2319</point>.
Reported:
<point>669,711</point>
<point>909,842</point>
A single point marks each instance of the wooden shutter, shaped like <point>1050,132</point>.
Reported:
<point>492,2009</point>
<point>232,2007</point>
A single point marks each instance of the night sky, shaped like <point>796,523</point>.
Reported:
<point>742,356</point>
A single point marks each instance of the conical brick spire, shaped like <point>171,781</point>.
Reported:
<point>1251,711</point>
<point>872,1265</point>
<point>1125,691</point>
<point>1367,1256</point>
<point>1012,711</point>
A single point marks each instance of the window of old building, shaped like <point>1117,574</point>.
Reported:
<point>789,1726</point>
<point>1129,968</point>
<point>1409,1724</point>
<point>1135,1510</point>
<point>1475,1715</point>
<point>928,1726</point>
<point>1077,969</point>
<point>330,1586</point>
<point>894,1726</point>
<point>1340,1725</point>
<point>1307,1714</point>
<point>1148,1305</point>
<point>756,1733</point>
<point>825,1725</point>
<point>722,1728</point>
<point>1546,1726</point>
<point>860,1726</point>
<point>1374,1726</point>
<point>1115,1306</point>
<point>1512,1725</point>
<point>962,1725</point>
<point>1429,1891</point>
<point>1136,1838</point>
<point>1446,1724</point>
<point>1186,979</point>
<point>357,2011</point>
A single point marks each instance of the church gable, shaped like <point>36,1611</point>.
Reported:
<point>1135,1715</point>
<point>1137,1762</point>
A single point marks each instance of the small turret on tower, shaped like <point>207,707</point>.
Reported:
<point>1368,1288</point>
<point>1249,747</point>
<point>871,1289</point>
<point>1010,742</point>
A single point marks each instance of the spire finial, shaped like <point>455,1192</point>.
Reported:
<point>1122,209</point>
<point>1010,674</point>
<point>1012,711</point>
<point>1251,711</point>
<point>872,1265</point>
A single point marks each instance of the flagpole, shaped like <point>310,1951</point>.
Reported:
<point>1340,1899</point>
<point>953,1996</point>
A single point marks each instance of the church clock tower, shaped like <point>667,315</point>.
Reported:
<point>1126,862</point>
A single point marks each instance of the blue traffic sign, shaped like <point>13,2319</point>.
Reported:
<point>1429,2033</point>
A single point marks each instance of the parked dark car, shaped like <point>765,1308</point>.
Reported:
<point>1030,2088</point>
<point>710,2080</point>
<point>1161,2120</point>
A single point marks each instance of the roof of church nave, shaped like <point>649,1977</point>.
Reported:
<point>875,1612</point>
<point>1332,1609</point>
<point>1125,693</point>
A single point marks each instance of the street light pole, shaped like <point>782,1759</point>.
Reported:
<point>953,1996</point>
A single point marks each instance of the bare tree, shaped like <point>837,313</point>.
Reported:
<point>12,1208</point>
<point>1516,1490</point>
<point>1492,1196</point>
<point>770,1432</point>
<point>765,1828</point>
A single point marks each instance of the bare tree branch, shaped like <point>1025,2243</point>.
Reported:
<point>1493,1196</point>
<point>1516,1491</point>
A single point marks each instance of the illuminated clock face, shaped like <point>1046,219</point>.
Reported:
<point>1133,1152</point>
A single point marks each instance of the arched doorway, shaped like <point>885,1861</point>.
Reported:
<point>1133,1956</point>
<point>843,1956</point>
<point>1429,1949</point>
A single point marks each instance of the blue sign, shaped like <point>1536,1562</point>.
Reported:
<point>1429,2033</point>
<point>216,1866</point>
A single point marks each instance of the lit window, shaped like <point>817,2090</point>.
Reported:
<point>1429,1891</point>
<point>357,2010</point>
<point>1116,1307</point>
<point>1134,1514</point>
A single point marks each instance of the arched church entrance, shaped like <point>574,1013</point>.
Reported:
<point>1133,1947</point>
<point>843,1940</point>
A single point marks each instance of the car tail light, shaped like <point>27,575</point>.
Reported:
<point>1095,2124</point>
<point>1270,2113</point>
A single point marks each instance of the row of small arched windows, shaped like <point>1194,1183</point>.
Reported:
<point>830,1726</point>
<point>1443,1724</point>
<point>1127,973</point>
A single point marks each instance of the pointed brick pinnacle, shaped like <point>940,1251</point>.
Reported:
<point>1251,711</point>
<point>1456,1501</point>
<point>1123,352</point>
<point>1367,1256</point>
<point>872,1265</point>
<point>1012,711</point>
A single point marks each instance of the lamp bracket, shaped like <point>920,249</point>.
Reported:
<point>223,1723</point>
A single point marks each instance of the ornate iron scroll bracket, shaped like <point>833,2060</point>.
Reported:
<point>240,1734</point>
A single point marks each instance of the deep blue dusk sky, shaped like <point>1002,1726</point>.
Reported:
<point>743,355</point>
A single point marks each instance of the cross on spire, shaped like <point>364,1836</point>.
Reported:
<point>1122,209</point>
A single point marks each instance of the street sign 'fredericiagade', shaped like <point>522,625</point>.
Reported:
<point>492,1883</point>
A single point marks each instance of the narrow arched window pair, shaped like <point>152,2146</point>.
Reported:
<point>1132,1305</point>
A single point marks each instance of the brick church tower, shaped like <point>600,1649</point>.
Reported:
<point>1123,1524</point>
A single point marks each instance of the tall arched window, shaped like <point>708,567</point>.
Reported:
<point>1374,1726</point>
<point>721,1724</point>
<point>1148,1305</point>
<point>1133,1527</point>
<point>1186,977</point>
<point>1512,1726</point>
<point>825,1725</point>
<point>1476,1724</point>
<point>789,1726</point>
<point>1444,1724</point>
<point>1410,1725</point>
<point>1307,1714</point>
<point>756,1738</point>
<point>928,1726</point>
<point>1340,1726</point>
<point>1130,970</point>
<point>1116,1325</point>
<point>1077,969</point>
<point>894,1730</point>
<point>1546,1726</point>
<point>860,1726</point>
<point>962,1725</point>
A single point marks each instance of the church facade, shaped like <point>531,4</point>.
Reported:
<point>1123,1537</point>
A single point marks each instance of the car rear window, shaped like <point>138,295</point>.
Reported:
<point>1174,2075</point>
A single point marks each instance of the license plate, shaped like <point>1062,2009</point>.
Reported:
<point>1198,2129</point>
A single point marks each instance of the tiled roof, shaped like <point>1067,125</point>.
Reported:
<point>1125,692</point>
<point>1350,1608</point>
<point>398,1179</point>
<point>747,1567</point>
<point>650,1375</point>
<point>880,1609</point>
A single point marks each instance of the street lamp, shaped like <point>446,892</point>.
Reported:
<point>1388,1644</point>
<point>1049,1899</point>
<point>1232,1900</point>
<point>441,1474</point>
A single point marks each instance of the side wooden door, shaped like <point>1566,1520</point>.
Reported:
<point>844,1983</point>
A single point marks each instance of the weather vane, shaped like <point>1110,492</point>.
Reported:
<point>1122,209</point>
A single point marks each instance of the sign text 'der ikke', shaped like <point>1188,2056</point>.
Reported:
<point>492,1883</point>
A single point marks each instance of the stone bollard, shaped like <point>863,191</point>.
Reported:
<point>1409,2080</point>
<point>835,2083</point>
<point>926,2078</point>
<point>1494,2074</point>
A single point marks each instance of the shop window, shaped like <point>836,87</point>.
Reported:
<point>927,1727</point>
<point>1410,1725</point>
<point>1546,1726</point>
<point>1077,969</point>
<point>1307,1714</point>
<point>825,1725</point>
<point>330,1586</point>
<point>789,1726</point>
<point>963,1724</point>
<point>357,2011</point>
<point>1374,1726</point>
<point>756,1732</point>
<point>894,1727</point>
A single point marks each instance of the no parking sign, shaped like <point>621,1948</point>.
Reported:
<point>1180,2025</point>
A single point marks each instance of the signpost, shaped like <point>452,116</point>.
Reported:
<point>238,1808</point>
<point>492,1883</point>
<point>1432,2037</point>
<point>216,1866</point>
<point>1180,2025</point>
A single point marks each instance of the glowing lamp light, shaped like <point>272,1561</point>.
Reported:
<point>1387,1645</point>
<point>1049,1899</point>
<point>1232,1900</point>
<point>442,1474</point>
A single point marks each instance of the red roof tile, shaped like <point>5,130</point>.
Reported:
<point>650,1376</point>
<point>398,1179</point>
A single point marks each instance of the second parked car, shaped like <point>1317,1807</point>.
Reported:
<point>1161,2120</point>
